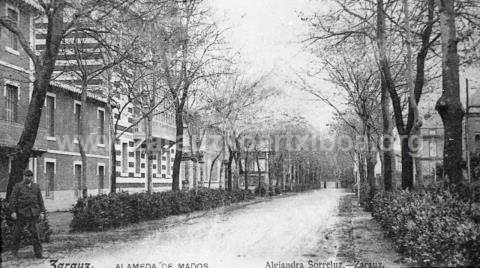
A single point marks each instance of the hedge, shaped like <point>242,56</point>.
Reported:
<point>433,227</point>
<point>8,227</point>
<point>102,212</point>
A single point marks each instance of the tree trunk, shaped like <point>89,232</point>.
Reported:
<point>113,162</point>
<point>238,168</point>
<point>193,155</point>
<point>229,170</point>
<point>259,171</point>
<point>148,152</point>
<point>221,183</point>
<point>113,139</point>
<point>387,155</point>
<point>212,166</point>
<point>407,165</point>
<point>245,170</point>
<point>178,148</point>
<point>371,161</point>
<point>448,105</point>
<point>415,130</point>
<point>418,179</point>
<point>82,139</point>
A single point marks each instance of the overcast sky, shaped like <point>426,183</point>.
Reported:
<point>268,34</point>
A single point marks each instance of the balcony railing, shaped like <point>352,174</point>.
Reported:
<point>159,130</point>
<point>10,134</point>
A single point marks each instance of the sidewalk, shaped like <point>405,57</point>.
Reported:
<point>361,239</point>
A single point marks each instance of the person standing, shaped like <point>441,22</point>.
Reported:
<point>26,205</point>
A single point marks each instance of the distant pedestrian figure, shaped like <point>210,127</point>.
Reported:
<point>26,205</point>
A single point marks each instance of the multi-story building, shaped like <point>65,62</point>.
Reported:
<point>56,161</point>
<point>131,158</point>
<point>15,84</point>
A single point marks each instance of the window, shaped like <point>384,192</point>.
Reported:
<point>50,179</point>
<point>131,154</point>
<point>12,14</point>
<point>50,115</point>
<point>77,170</point>
<point>159,163</point>
<point>11,103</point>
<point>101,126</point>
<point>131,144</point>
<point>101,178</point>
<point>477,141</point>
<point>118,163</point>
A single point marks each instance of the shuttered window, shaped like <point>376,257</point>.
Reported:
<point>11,106</point>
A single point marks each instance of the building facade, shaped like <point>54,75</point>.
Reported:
<point>56,161</point>
<point>15,84</point>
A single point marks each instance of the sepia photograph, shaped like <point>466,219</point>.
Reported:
<point>239,133</point>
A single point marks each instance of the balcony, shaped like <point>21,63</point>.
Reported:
<point>10,134</point>
<point>159,130</point>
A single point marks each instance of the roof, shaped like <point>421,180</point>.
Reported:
<point>75,89</point>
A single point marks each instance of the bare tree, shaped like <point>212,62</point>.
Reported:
<point>448,105</point>
<point>353,20</point>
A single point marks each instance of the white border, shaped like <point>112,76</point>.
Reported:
<point>75,102</point>
<point>101,165</point>
<point>104,123</point>
<point>49,160</point>
<point>50,94</point>
<point>74,164</point>
<point>11,83</point>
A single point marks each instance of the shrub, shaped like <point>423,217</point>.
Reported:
<point>261,191</point>
<point>101,212</point>
<point>8,227</point>
<point>433,227</point>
